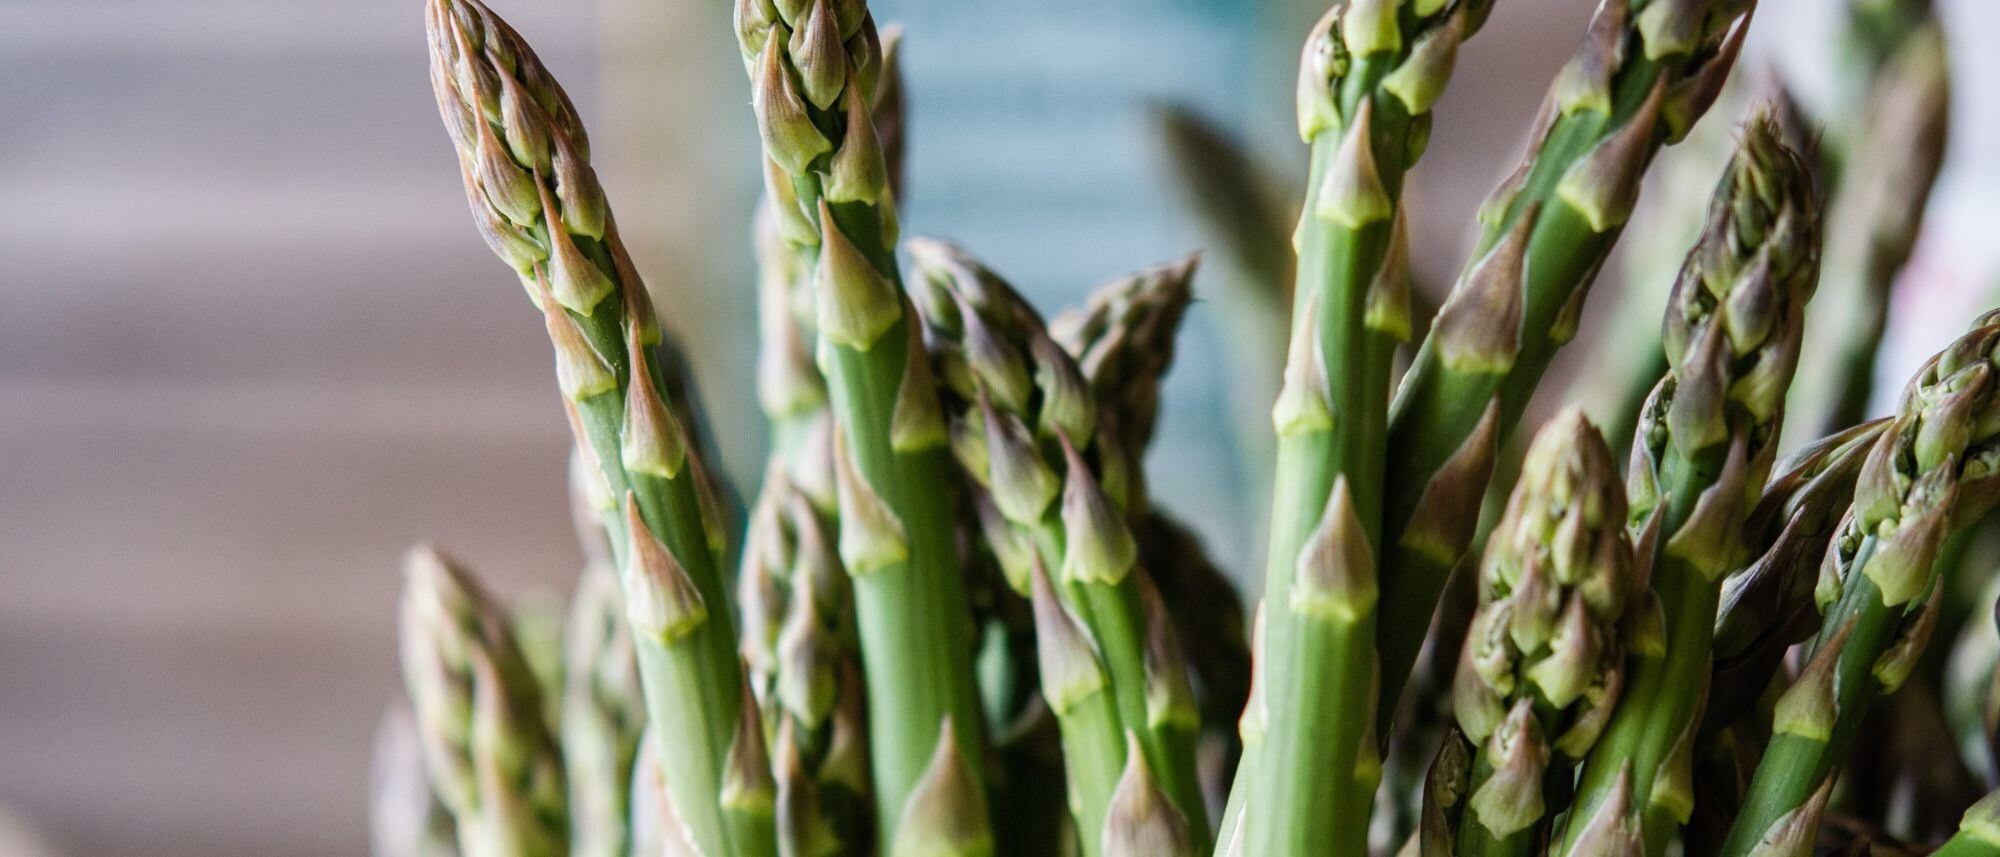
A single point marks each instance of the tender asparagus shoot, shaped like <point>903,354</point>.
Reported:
<point>1705,443</point>
<point>525,160</point>
<point>1369,75</point>
<point>815,68</point>
<point>491,757</point>
<point>1543,662</point>
<point>1645,72</point>
<point>1929,472</point>
<point>1057,468</point>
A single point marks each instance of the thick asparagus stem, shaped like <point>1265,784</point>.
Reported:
<point>1543,662</point>
<point>1929,473</point>
<point>1704,447</point>
<point>490,754</point>
<point>525,161</point>
<point>1646,71</point>
<point>603,715</point>
<point>987,337</point>
<point>1368,77</point>
<point>814,67</point>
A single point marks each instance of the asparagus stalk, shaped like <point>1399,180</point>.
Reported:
<point>490,754</point>
<point>987,337</point>
<point>1123,341</point>
<point>603,715</point>
<point>536,200</point>
<point>1542,665</point>
<point>1646,71</point>
<point>1886,157</point>
<point>1927,475</point>
<point>800,651</point>
<point>1367,80</point>
<point>1704,447</point>
<point>814,67</point>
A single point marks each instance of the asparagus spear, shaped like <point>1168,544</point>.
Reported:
<point>800,651</point>
<point>1704,447</point>
<point>603,715</point>
<point>1886,156</point>
<point>536,200</point>
<point>1928,474</point>
<point>814,66</point>
<point>1542,665</point>
<point>1123,341</point>
<point>987,337</point>
<point>1368,77</point>
<point>1646,71</point>
<point>489,752</point>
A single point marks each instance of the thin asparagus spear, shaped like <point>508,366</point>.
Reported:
<point>1884,158</point>
<point>537,202</point>
<point>1367,80</point>
<point>810,673</point>
<point>814,66</point>
<point>1705,445</point>
<point>489,752</point>
<point>987,338</point>
<point>1972,689</point>
<point>1928,474</point>
<point>1543,662</point>
<point>1123,340</point>
<point>603,715</point>
<point>405,817</point>
<point>1646,71</point>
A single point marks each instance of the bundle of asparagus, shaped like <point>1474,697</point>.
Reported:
<point>959,625</point>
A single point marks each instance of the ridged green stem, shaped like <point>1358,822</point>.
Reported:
<point>538,204</point>
<point>1368,78</point>
<point>814,67</point>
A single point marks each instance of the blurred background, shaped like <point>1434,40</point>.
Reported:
<point>251,347</point>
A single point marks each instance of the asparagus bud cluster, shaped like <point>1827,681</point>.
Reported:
<point>1542,665</point>
<point>1123,341</point>
<point>1930,471</point>
<point>491,756</point>
<point>1705,443</point>
<point>1026,428</point>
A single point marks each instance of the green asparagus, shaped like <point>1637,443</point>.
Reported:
<point>1705,444</point>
